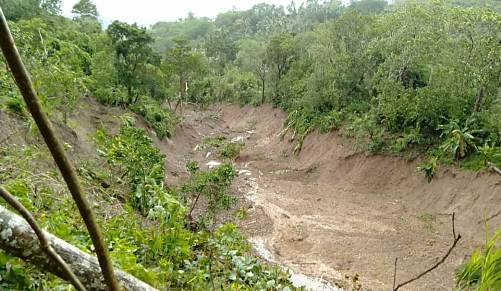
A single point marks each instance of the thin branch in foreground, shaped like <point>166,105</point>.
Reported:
<point>44,242</point>
<point>454,244</point>
<point>57,151</point>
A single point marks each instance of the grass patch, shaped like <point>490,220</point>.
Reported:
<point>428,220</point>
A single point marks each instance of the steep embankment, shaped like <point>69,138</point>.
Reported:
<point>330,212</point>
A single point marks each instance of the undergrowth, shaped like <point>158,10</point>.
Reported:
<point>162,120</point>
<point>145,222</point>
<point>226,149</point>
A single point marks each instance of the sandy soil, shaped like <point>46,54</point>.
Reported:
<point>335,214</point>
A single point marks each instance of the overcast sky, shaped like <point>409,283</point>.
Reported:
<point>147,12</point>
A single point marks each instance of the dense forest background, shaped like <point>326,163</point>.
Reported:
<point>407,77</point>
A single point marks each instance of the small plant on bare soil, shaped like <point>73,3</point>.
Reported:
<point>482,271</point>
<point>429,168</point>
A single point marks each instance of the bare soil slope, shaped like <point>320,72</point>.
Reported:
<point>330,212</point>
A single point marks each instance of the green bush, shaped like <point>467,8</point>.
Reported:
<point>231,150</point>
<point>110,96</point>
<point>458,141</point>
<point>429,168</point>
<point>213,185</point>
<point>162,120</point>
<point>15,104</point>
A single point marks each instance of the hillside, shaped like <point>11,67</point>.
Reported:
<point>317,145</point>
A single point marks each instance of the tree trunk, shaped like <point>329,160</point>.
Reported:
<point>18,239</point>
<point>262,95</point>
<point>478,99</point>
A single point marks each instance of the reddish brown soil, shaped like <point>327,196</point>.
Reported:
<point>330,212</point>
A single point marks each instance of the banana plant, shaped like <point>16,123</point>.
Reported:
<point>458,141</point>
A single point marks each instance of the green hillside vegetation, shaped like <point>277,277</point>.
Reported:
<point>412,77</point>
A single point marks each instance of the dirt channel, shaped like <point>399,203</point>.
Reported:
<point>335,217</point>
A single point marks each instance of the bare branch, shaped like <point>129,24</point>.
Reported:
<point>453,226</point>
<point>395,274</point>
<point>455,242</point>
<point>44,242</point>
<point>493,168</point>
<point>56,149</point>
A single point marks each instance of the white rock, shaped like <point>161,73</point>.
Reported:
<point>244,172</point>
<point>237,139</point>
<point>213,164</point>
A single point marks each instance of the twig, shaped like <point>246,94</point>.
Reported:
<point>44,242</point>
<point>456,240</point>
<point>395,274</point>
<point>493,167</point>
<point>56,148</point>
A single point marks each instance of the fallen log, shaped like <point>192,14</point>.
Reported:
<point>18,239</point>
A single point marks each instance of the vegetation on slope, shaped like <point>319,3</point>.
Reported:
<point>145,222</point>
<point>418,76</point>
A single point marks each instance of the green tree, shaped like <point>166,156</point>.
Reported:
<point>51,6</point>
<point>183,63</point>
<point>19,9</point>
<point>369,6</point>
<point>252,57</point>
<point>280,53</point>
<point>132,49</point>
<point>85,8</point>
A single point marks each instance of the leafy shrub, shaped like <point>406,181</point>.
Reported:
<point>225,148</point>
<point>110,96</point>
<point>429,168</point>
<point>330,121</point>
<point>192,167</point>
<point>231,150</point>
<point>458,141</point>
<point>409,138</point>
<point>215,141</point>
<point>301,123</point>
<point>213,186</point>
<point>143,168</point>
<point>162,120</point>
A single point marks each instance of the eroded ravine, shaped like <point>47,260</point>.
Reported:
<point>334,217</point>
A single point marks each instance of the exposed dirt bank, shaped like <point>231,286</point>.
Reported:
<point>330,212</point>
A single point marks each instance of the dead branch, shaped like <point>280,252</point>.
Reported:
<point>44,242</point>
<point>56,148</point>
<point>455,242</point>
<point>493,168</point>
<point>395,274</point>
<point>18,239</point>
